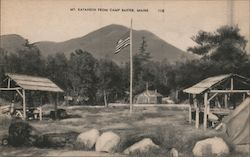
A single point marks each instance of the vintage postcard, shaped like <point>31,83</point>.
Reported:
<point>120,78</point>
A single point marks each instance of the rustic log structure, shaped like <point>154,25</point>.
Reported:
<point>23,83</point>
<point>209,89</point>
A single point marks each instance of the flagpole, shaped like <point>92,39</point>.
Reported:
<point>131,72</point>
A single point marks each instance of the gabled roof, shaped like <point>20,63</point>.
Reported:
<point>151,93</point>
<point>34,83</point>
<point>210,82</point>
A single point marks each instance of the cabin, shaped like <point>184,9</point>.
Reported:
<point>218,95</point>
<point>24,84</point>
<point>148,97</point>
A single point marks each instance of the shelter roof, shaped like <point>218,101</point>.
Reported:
<point>34,83</point>
<point>150,93</point>
<point>211,82</point>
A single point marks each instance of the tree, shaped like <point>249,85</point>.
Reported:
<point>143,55</point>
<point>82,76</point>
<point>57,69</point>
<point>225,44</point>
<point>3,62</point>
<point>27,60</point>
<point>110,82</point>
<point>141,59</point>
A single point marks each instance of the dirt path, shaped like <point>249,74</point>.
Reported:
<point>10,151</point>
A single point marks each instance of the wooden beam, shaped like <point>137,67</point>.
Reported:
<point>243,96</point>
<point>244,82</point>
<point>8,82</point>
<point>19,93</point>
<point>205,112</point>
<point>40,113</point>
<point>56,102</point>
<point>229,91</point>
<point>190,114</point>
<point>40,109</point>
<point>232,84</point>
<point>105,98</point>
<point>196,111</point>
<point>24,106</point>
<point>225,101</point>
<point>9,89</point>
<point>212,97</point>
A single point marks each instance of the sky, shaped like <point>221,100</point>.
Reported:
<point>174,21</point>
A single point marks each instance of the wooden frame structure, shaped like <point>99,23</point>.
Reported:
<point>211,87</point>
<point>22,83</point>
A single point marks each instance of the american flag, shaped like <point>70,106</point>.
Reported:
<point>122,43</point>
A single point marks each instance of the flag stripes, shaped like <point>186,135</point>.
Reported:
<point>122,43</point>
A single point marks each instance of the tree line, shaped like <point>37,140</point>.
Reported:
<point>89,80</point>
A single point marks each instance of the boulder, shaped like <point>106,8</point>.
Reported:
<point>211,146</point>
<point>142,146</point>
<point>87,140</point>
<point>173,152</point>
<point>107,142</point>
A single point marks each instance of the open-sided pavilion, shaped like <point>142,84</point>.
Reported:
<point>22,83</point>
<point>210,88</point>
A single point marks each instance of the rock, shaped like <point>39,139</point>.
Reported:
<point>58,140</point>
<point>142,146</point>
<point>211,146</point>
<point>107,142</point>
<point>212,117</point>
<point>87,140</point>
<point>173,152</point>
<point>22,134</point>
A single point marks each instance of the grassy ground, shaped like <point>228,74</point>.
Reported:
<point>167,128</point>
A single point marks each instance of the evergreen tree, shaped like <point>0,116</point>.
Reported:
<point>226,44</point>
<point>82,76</point>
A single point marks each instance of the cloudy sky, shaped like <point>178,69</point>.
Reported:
<point>54,20</point>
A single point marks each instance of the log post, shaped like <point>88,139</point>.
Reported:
<point>24,105</point>
<point>196,111</point>
<point>40,113</point>
<point>232,84</point>
<point>8,82</point>
<point>190,114</point>
<point>205,112</point>
<point>56,102</point>
<point>105,99</point>
<point>225,101</point>
<point>243,96</point>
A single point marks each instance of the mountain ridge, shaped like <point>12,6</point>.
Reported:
<point>101,44</point>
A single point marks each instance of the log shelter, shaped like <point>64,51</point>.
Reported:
<point>209,89</point>
<point>23,83</point>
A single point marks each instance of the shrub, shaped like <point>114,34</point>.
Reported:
<point>22,134</point>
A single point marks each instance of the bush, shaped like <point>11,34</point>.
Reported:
<point>22,134</point>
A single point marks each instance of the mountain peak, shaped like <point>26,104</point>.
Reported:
<point>117,26</point>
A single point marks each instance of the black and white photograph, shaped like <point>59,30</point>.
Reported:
<point>123,78</point>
